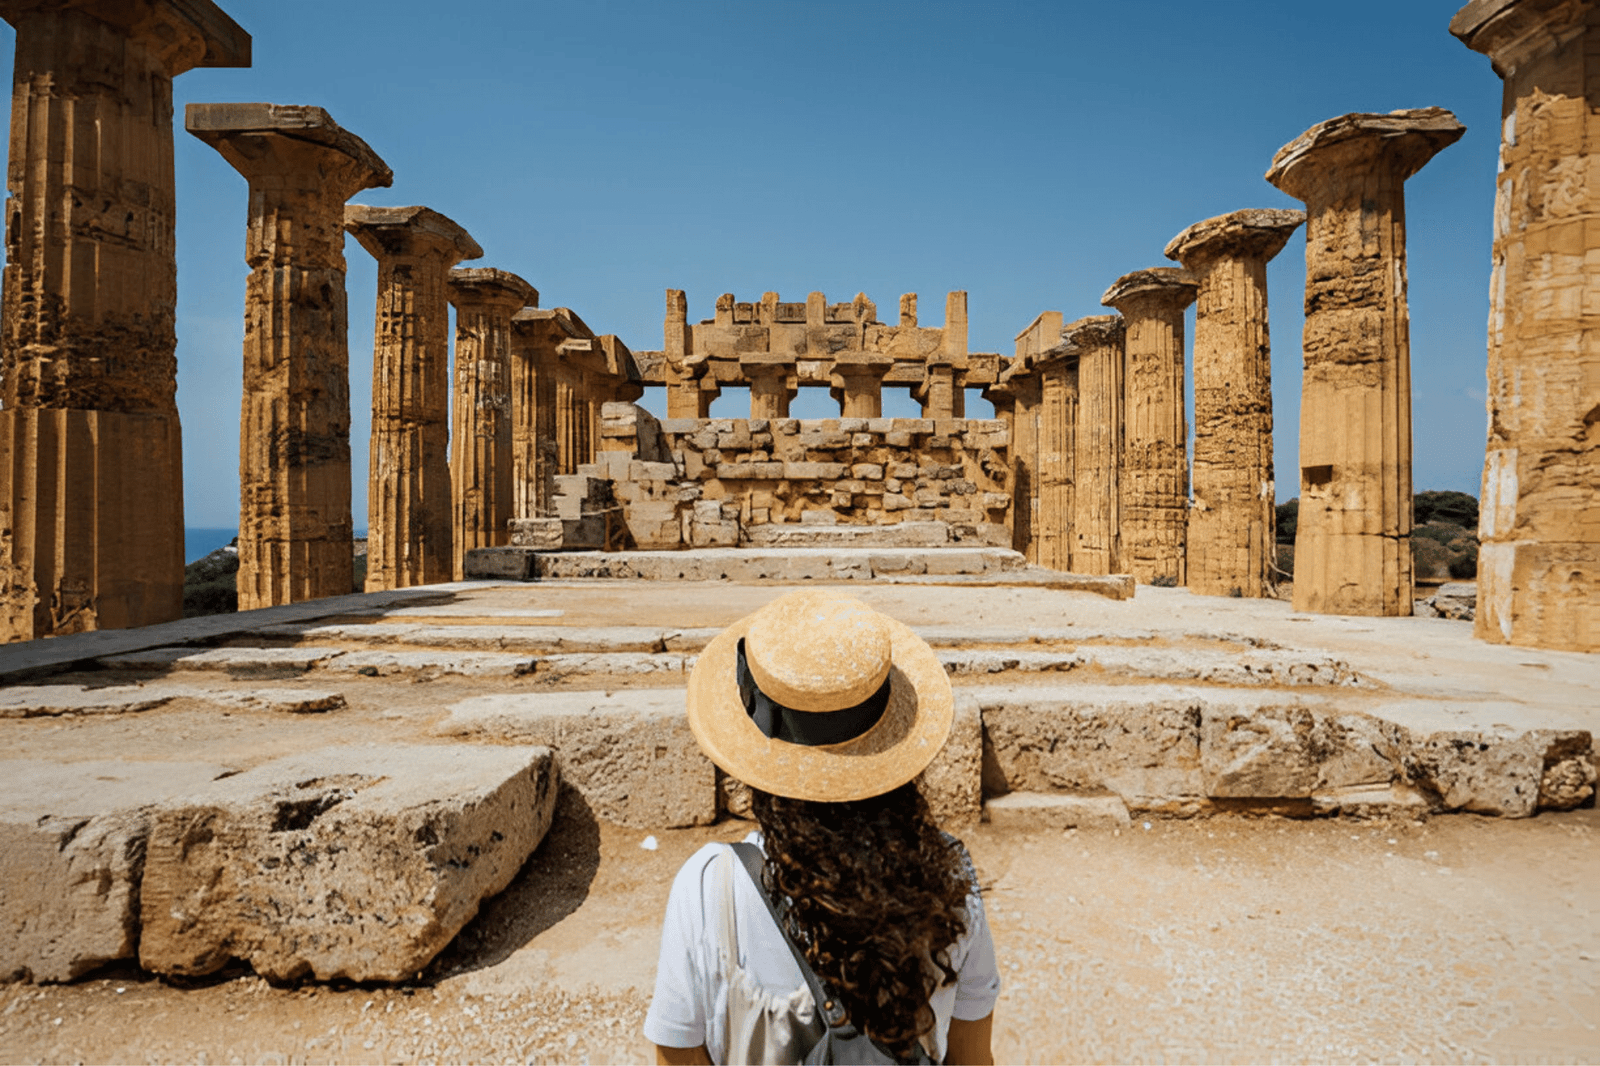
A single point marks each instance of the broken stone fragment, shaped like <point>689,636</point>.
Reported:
<point>72,850</point>
<point>357,863</point>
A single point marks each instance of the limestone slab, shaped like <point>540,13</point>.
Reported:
<point>952,784</point>
<point>72,852</point>
<point>1057,810</point>
<point>1497,771</point>
<point>33,701</point>
<point>238,662</point>
<point>357,863</point>
<point>379,663</point>
<point>629,754</point>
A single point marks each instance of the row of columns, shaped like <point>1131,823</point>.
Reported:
<point>295,525</point>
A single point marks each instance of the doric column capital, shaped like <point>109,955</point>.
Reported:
<point>1254,233</point>
<point>1093,331</point>
<point>1161,288</point>
<point>273,140</point>
<point>488,285</point>
<point>1330,155</point>
<point>184,34</point>
<point>388,232</point>
<point>1511,32</point>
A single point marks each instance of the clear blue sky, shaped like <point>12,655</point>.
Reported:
<point>1026,152</point>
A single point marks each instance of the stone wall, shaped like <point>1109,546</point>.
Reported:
<point>726,482</point>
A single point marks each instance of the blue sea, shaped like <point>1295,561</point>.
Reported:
<point>200,541</point>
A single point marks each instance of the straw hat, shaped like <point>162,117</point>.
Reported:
<point>816,696</point>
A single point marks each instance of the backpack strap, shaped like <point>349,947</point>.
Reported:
<point>750,856</point>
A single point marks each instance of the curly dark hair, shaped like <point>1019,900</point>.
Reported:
<point>875,890</point>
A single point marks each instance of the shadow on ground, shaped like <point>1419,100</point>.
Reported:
<point>552,884</point>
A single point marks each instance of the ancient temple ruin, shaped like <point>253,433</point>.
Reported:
<point>527,435</point>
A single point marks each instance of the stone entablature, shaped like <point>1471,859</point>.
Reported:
<point>562,373</point>
<point>716,482</point>
<point>776,347</point>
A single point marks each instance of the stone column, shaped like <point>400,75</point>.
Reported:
<point>771,376</point>
<point>91,463</point>
<point>1155,472</point>
<point>1539,520</point>
<point>941,393</point>
<point>1353,544</point>
<point>1097,444</point>
<point>1057,379</point>
<point>685,398</point>
<point>408,492</point>
<point>480,456</point>
<point>294,427</point>
<point>860,380</point>
<point>533,404</point>
<point>1232,520</point>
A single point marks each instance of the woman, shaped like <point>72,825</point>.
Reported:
<point>828,711</point>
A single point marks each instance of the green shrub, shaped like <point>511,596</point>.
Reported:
<point>1286,559</point>
<point>1429,558</point>
<point>1453,508</point>
<point>1441,532</point>
<point>1288,520</point>
<point>1465,564</point>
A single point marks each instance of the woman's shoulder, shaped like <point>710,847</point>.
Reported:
<point>693,870</point>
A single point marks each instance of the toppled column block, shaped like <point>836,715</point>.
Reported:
<point>72,849</point>
<point>358,863</point>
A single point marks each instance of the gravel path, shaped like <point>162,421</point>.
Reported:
<point>1231,939</point>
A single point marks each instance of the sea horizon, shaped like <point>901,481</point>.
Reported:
<point>201,541</point>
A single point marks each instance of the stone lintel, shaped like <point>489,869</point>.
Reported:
<point>1402,140</point>
<point>768,360</point>
<point>1255,232</point>
<point>490,285</point>
<point>222,125</point>
<point>389,231</point>
<point>1510,32</point>
<point>1091,331</point>
<point>186,33</point>
<point>862,360</point>
<point>1173,285</point>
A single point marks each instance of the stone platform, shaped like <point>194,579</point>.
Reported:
<point>1074,708</point>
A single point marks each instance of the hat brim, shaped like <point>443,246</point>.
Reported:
<point>914,727</point>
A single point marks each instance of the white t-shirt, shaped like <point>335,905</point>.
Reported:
<point>691,996</point>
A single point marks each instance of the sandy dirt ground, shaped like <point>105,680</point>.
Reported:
<point>1227,939</point>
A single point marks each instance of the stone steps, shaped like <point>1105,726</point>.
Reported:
<point>1162,748</point>
<point>1253,668</point>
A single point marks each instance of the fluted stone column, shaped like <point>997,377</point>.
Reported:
<point>1232,521</point>
<point>1539,519</point>
<point>408,493</point>
<point>480,455</point>
<point>771,376</point>
<point>91,462</point>
<point>1057,446</point>
<point>1097,444</point>
<point>1353,543</point>
<point>1155,466</point>
<point>533,407</point>
<point>295,525</point>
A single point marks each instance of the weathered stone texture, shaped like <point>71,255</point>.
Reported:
<point>1231,525</point>
<point>704,483</point>
<point>1539,567</point>
<point>480,445</point>
<point>1353,546</point>
<point>1097,449</point>
<point>629,754</point>
<point>1155,453</point>
<point>408,509</point>
<point>356,863</point>
<point>72,853</point>
<point>91,482</point>
<point>295,525</point>
<point>777,347</point>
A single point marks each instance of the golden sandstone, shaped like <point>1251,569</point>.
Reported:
<point>1085,467</point>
